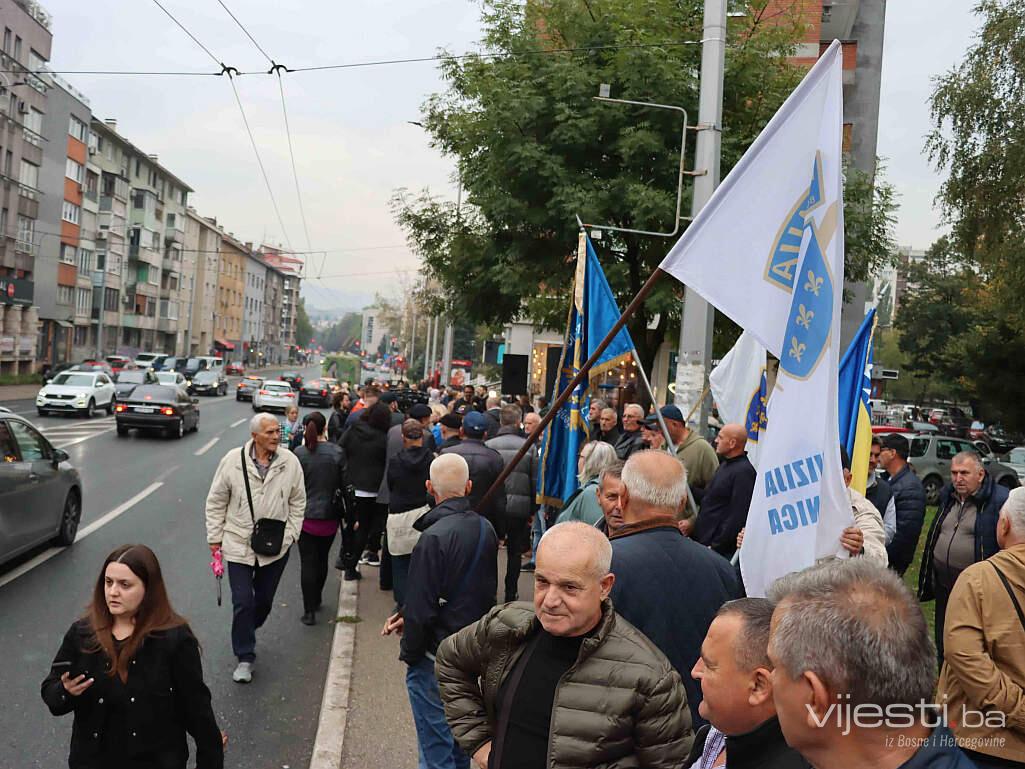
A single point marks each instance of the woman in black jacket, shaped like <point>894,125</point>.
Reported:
<point>365,446</point>
<point>324,470</point>
<point>130,672</point>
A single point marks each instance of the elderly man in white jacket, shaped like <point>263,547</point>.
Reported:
<point>275,493</point>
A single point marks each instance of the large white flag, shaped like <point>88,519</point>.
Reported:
<point>768,251</point>
<point>739,387</point>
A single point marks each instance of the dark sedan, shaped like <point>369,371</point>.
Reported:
<point>209,383</point>
<point>246,387</point>
<point>294,378</point>
<point>315,393</point>
<point>158,407</point>
<point>129,379</point>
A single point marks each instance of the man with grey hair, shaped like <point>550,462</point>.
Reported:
<point>963,532</point>
<point>853,672</point>
<point>583,688</point>
<point>453,575</point>
<point>255,483</point>
<point>984,669</point>
<point>632,438</point>
<point>650,555</point>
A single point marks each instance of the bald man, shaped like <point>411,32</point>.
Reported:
<point>728,495</point>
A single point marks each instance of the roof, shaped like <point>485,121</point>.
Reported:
<point>97,123</point>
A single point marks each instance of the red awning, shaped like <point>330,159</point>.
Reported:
<point>223,344</point>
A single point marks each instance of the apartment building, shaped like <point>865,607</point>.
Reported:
<point>231,279</point>
<point>273,292</point>
<point>291,269</point>
<point>25,48</point>
<point>253,309</point>
<point>203,243</point>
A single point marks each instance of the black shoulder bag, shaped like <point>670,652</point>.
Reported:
<point>268,533</point>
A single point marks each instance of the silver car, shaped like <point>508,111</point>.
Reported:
<point>274,395</point>
<point>40,492</point>
<point>930,457</point>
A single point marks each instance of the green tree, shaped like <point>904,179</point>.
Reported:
<point>303,327</point>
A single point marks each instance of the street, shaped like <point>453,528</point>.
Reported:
<point>150,489</point>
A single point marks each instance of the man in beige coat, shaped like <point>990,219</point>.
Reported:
<point>277,491</point>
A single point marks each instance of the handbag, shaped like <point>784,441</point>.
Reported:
<point>268,533</point>
<point>402,537</point>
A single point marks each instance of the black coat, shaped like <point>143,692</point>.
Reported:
<point>336,425</point>
<point>393,447</point>
<point>764,747</point>
<point>163,699</point>
<point>442,598</point>
<point>324,473</point>
<point>909,500</point>
<point>629,443</point>
<point>408,472</point>
<point>485,467</point>
<point>724,505</point>
<point>365,450</point>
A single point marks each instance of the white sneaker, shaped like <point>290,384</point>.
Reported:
<point>243,673</point>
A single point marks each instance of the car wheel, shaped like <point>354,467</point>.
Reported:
<point>1009,482</point>
<point>932,485</point>
<point>42,412</point>
<point>69,521</point>
<point>110,407</point>
<point>178,430</point>
<point>88,412</point>
<point>255,408</point>
<point>122,431</point>
<point>237,397</point>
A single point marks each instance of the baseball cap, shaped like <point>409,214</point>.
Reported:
<point>412,429</point>
<point>474,424</point>
<point>388,397</point>
<point>419,411</point>
<point>451,421</point>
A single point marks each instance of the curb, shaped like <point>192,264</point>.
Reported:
<point>334,707</point>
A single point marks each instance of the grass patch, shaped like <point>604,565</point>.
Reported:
<point>911,575</point>
<point>350,619</point>
<point>20,379</point>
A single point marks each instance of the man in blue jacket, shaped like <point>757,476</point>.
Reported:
<point>963,532</point>
<point>909,499</point>
<point>667,586</point>
<point>453,576</point>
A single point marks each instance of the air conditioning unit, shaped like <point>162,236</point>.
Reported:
<point>92,150</point>
<point>127,300</point>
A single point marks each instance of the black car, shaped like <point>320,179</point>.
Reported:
<point>49,372</point>
<point>247,385</point>
<point>315,393</point>
<point>209,383</point>
<point>294,378</point>
<point>157,407</point>
<point>128,380</point>
<point>171,363</point>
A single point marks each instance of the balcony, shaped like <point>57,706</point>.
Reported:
<point>25,247</point>
<point>174,235</point>
<point>167,325</point>
<point>32,147</point>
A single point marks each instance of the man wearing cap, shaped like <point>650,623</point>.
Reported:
<point>485,466</point>
<point>450,425</point>
<point>393,405</point>
<point>695,452</point>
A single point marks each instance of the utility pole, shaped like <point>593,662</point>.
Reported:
<point>695,352</point>
<point>446,353</point>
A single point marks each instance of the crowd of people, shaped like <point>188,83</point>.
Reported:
<point>638,647</point>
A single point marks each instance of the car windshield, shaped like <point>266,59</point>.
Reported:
<point>205,376</point>
<point>167,377</point>
<point>73,380</point>
<point>157,393</point>
<point>252,380</point>
<point>919,446</point>
<point>195,364</point>
<point>131,377</point>
<point>289,375</point>
<point>281,387</point>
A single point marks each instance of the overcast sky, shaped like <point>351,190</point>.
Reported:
<point>353,144</point>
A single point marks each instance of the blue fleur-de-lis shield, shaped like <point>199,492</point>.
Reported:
<point>811,313</point>
<point>755,418</point>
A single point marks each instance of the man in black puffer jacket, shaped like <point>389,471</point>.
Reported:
<point>519,494</point>
<point>909,498</point>
<point>485,466</point>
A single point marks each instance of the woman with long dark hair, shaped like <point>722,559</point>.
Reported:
<point>130,671</point>
<point>324,470</point>
<point>365,446</point>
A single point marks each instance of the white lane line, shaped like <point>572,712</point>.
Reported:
<point>334,707</point>
<point>237,422</point>
<point>82,534</point>
<point>85,438</point>
<point>206,446</point>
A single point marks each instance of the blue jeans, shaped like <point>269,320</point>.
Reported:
<point>252,597</point>
<point>438,749</point>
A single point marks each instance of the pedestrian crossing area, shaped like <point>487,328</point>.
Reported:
<point>71,431</point>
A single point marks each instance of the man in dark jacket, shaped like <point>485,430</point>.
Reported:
<point>878,491</point>
<point>485,466</point>
<point>608,427</point>
<point>519,495</point>
<point>909,499</point>
<point>453,576</point>
<point>649,553</point>
<point>728,496</point>
<point>632,438</point>
<point>450,425</point>
<point>963,532</point>
<point>494,416</point>
<point>736,686</point>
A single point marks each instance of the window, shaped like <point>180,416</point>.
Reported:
<point>34,123</point>
<point>83,300</point>
<point>68,253</point>
<point>70,212</point>
<point>81,336</point>
<point>3,222</point>
<point>74,171</point>
<point>78,129</point>
<point>65,295</point>
<point>17,48</point>
<point>26,229</point>
<point>85,260</point>
<point>33,445</point>
<point>111,299</point>
<point>8,161</point>
<point>29,175</point>
<point>8,448</point>
<point>7,39</point>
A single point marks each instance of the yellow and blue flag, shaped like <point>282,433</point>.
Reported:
<point>593,313</point>
<point>854,408</point>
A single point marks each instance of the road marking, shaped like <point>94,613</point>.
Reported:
<point>238,422</point>
<point>82,534</point>
<point>207,446</point>
<point>334,707</point>
<point>84,438</point>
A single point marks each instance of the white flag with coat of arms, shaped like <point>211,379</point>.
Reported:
<point>739,387</point>
<point>767,250</point>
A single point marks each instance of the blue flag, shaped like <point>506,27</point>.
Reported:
<point>593,312</point>
<point>854,409</point>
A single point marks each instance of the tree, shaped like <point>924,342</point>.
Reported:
<point>303,327</point>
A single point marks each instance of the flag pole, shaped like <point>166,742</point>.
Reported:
<point>580,377</point>
<point>651,394</point>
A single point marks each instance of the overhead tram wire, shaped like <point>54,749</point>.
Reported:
<point>195,40</point>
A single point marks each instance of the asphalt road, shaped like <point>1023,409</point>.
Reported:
<point>272,721</point>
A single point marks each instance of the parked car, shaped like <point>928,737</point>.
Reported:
<point>41,490</point>
<point>173,363</point>
<point>247,386</point>
<point>81,392</point>
<point>150,359</point>
<point>172,379</point>
<point>202,363</point>
<point>930,457</point>
<point>129,379</point>
<point>209,383</point>
<point>951,421</point>
<point>1016,459</point>
<point>999,439</point>
<point>234,369</point>
<point>315,393</point>
<point>158,407</point>
<point>293,378</point>
<point>117,362</point>
<point>49,372</point>
<point>274,395</point>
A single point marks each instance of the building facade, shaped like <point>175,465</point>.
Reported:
<point>291,269</point>
<point>203,242</point>
<point>253,309</point>
<point>230,297</point>
<point>274,289</point>
<point>23,103</point>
